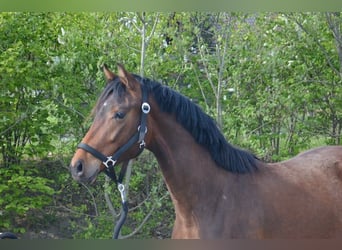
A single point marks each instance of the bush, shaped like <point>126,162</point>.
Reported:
<point>21,191</point>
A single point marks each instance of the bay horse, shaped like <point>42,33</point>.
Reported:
<point>218,190</point>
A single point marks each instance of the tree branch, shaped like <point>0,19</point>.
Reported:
<point>336,30</point>
<point>201,89</point>
<point>107,198</point>
<point>153,30</point>
<point>319,45</point>
<point>136,230</point>
<point>205,65</point>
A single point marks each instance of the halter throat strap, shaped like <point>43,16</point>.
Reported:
<point>138,137</point>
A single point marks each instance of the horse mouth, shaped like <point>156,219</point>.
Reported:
<point>91,179</point>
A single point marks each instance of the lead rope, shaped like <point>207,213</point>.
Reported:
<point>124,206</point>
<point>123,213</point>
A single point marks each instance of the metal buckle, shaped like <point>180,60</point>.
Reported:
<point>109,160</point>
<point>121,188</point>
<point>145,107</point>
<point>142,144</point>
<point>145,129</point>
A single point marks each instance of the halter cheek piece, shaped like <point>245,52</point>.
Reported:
<point>110,161</point>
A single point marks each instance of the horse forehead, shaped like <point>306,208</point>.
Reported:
<point>132,98</point>
<point>126,101</point>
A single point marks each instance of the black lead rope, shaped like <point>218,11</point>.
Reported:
<point>123,213</point>
<point>110,161</point>
<point>121,220</point>
<point>124,206</point>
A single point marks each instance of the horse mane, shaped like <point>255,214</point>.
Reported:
<point>202,127</point>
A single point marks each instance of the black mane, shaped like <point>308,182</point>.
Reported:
<point>202,127</point>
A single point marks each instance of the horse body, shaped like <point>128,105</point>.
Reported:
<point>290,199</point>
<point>218,190</point>
<point>304,195</point>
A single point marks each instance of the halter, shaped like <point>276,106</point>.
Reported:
<point>110,161</point>
<point>138,137</point>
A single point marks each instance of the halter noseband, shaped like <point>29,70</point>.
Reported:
<point>138,137</point>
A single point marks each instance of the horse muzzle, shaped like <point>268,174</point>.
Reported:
<point>81,173</point>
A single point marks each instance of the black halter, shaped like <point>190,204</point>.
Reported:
<point>110,161</point>
<point>138,137</point>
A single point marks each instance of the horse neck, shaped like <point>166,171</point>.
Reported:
<point>188,169</point>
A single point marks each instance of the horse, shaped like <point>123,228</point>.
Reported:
<point>218,190</point>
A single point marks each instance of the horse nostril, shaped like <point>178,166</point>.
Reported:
<point>79,168</point>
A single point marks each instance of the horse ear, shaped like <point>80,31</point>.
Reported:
<point>126,77</point>
<point>109,74</point>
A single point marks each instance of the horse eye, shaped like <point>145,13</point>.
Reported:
<point>119,115</point>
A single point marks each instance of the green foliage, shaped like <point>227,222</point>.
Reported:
<point>21,190</point>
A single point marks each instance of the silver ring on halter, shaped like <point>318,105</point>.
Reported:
<point>145,107</point>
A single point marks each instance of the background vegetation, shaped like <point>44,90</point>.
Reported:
<point>271,80</point>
